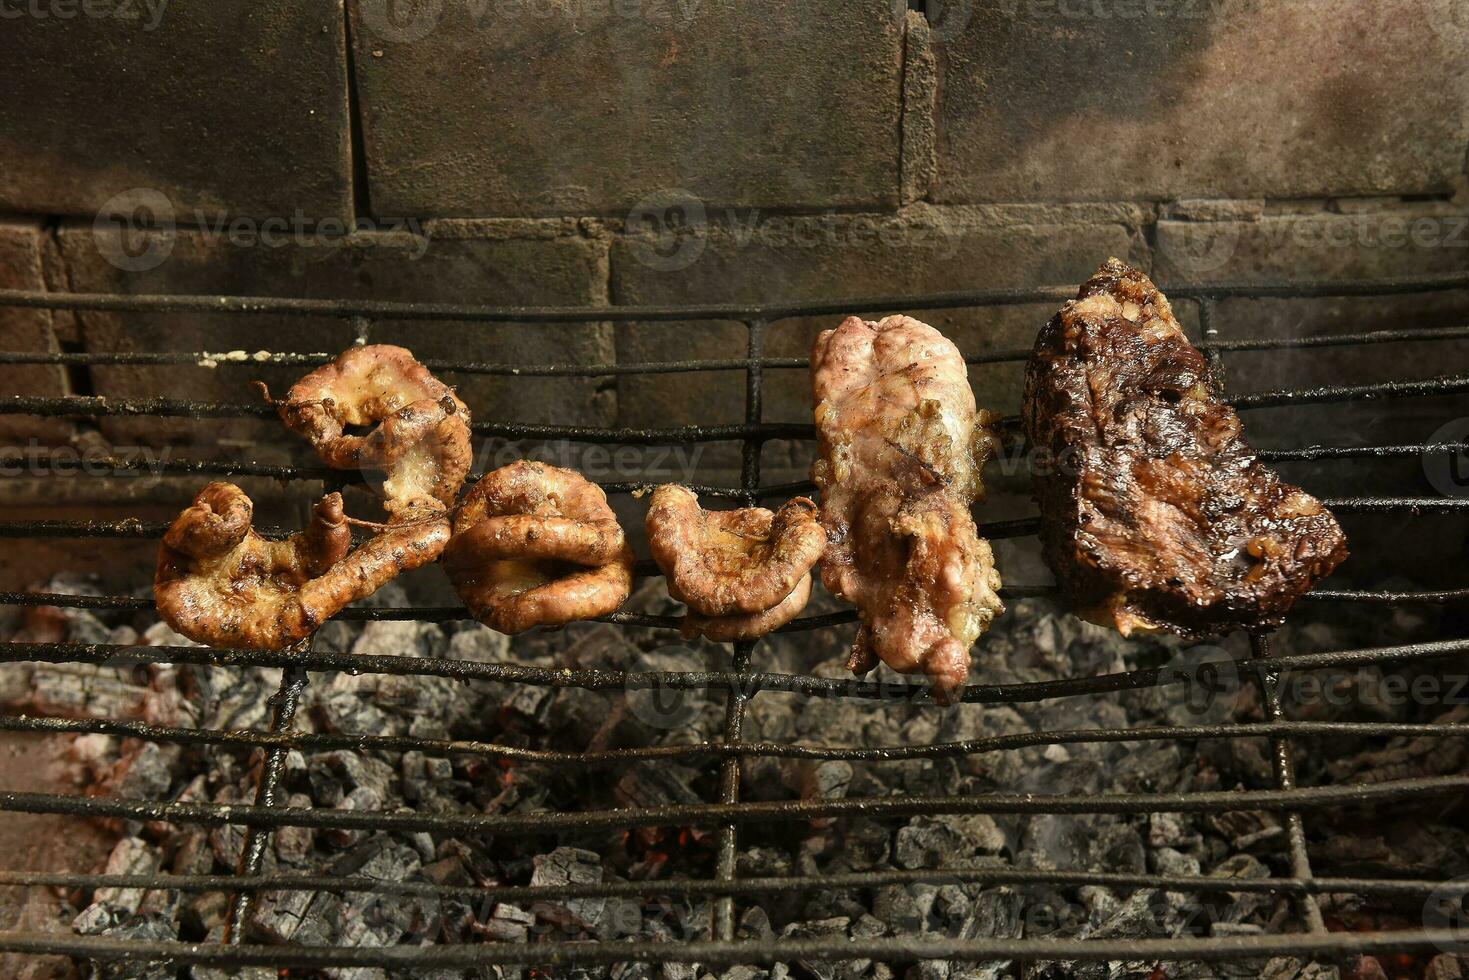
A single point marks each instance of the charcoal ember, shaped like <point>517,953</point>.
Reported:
<point>507,923</point>
<point>754,924</point>
<point>295,845</point>
<point>827,780</point>
<point>946,841</point>
<point>665,784</point>
<point>84,690</point>
<point>480,646</point>
<point>336,636</point>
<point>980,971</point>
<point>900,908</point>
<point>1446,966</point>
<point>829,929</point>
<point>1243,906</point>
<point>200,972</point>
<point>160,634</point>
<point>228,840</point>
<point>419,772</point>
<point>1408,757</point>
<point>742,972</point>
<point>833,903</point>
<point>143,929</point>
<point>144,771</point>
<point>1402,848</point>
<point>222,697</point>
<point>930,970</point>
<point>113,906</point>
<point>276,916</point>
<point>568,866</point>
<point>620,919</point>
<point>763,862</point>
<point>865,844</point>
<point>1247,830</point>
<point>997,913</point>
<point>1171,830</point>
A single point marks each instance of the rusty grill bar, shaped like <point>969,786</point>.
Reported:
<point>727,814</point>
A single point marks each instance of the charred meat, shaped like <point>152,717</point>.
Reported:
<point>1155,512</point>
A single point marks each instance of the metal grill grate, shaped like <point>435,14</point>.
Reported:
<point>727,814</point>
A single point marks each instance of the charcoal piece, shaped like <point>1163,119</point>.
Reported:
<point>946,841</point>
<point>138,928</point>
<point>277,916</point>
<point>564,866</point>
<point>833,928</point>
<point>1242,906</point>
<point>479,645</point>
<point>295,845</point>
<point>112,906</point>
<point>644,786</point>
<point>899,908</point>
<point>506,923</point>
<point>754,924</point>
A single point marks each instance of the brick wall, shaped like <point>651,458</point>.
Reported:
<point>587,152</point>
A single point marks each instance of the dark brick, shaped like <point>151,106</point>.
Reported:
<point>227,108</point>
<point>1153,99</point>
<point>528,263</point>
<point>547,108</point>
<point>21,267</point>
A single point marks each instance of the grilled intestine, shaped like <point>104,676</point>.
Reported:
<point>1155,512</point>
<point>219,582</point>
<point>537,545</point>
<point>742,573</point>
<point>419,446</point>
<point>901,447</point>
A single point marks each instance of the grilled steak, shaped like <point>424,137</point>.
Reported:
<point>1155,512</point>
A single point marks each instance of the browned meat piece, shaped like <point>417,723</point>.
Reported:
<point>742,573</point>
<point>722,562</point>
<point>420,444</point>
<point>1155,512</point>
<point>537,545</point>
<point>220,583</point>
<point>901,449</point>
<point>748,626</point>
